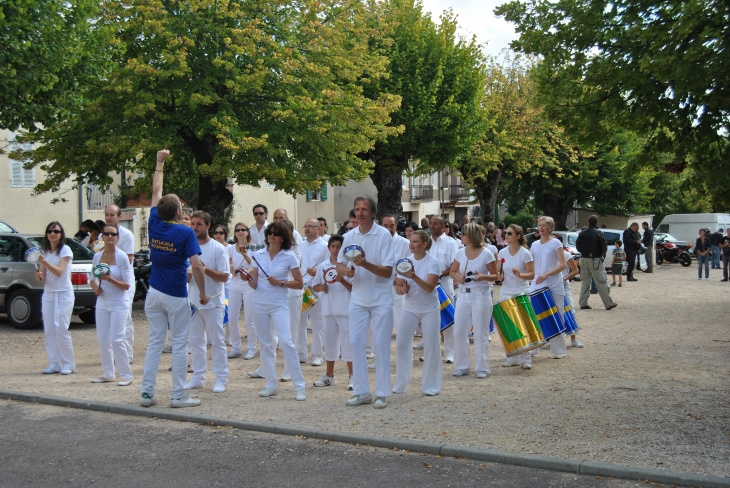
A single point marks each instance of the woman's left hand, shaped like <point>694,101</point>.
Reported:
<point>541,278</point>
<point>274,281</point>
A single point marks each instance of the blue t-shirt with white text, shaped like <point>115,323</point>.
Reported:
<point>170,247</point>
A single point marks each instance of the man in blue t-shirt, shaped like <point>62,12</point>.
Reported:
<point>171,246</point>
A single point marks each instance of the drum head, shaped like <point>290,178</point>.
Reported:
<point>97,246</point>
<point>351,252</point>
<point>100,270</point>
<point>330,275</point>
<point>32,255</point>
<point>404,266</point>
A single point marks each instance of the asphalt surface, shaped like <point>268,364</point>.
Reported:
<point>53,446</point>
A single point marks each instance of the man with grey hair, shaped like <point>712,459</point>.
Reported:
<point>372,299</point>
<point>314,251</point>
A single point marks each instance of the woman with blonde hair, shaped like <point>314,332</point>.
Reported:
<point>240,293</point>
<point>549,259</point>
<point>473,270</point>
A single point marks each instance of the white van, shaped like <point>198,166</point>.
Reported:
<point>687,227</point>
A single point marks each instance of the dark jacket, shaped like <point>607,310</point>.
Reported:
<point>648,238</point>
<point>591,243</point>
<point>630,240</point>
<point>716,238</point>
<point>702,245</point>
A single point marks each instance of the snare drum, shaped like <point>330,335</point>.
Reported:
<point>447,309</point>
<point>330,275</point>
<point>515,320</point>
<point>308,298</point>
<point>547,313</point>
<point>351,252</point>
<point>571,325</point>
<point>403,266</point>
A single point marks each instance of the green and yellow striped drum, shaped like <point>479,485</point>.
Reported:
<point>517,325</point>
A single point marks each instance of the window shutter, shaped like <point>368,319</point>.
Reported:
<point>16,169</point>
<point>309,195</point>
<point>323,193</point>
<point>28,178</point>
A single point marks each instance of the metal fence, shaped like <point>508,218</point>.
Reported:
<point>422,192</point>
<point>96,200</point>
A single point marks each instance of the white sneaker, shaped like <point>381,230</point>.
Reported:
<point>285,376</point>
<point>167,349</point>
<point>67,371</point>
<point>526,365</point>
<point>249,356</point>
<point>461,372</point>
<point>325,381</point>
<point>219,387</point>
<point>371,365</point>
<point>576,343</point>
<point>380,402</point>
<point>349,383</point>
<point>146,400</point>
<point>317,361</point>
<point>124,382</point>
<point>559,356</point>
<point>370,355</point>
<point>449,359</point>
<point>184,402</point>
<point>512,361</point>
<point>193,385</point>
<point>102,380</point>
<point>268,392</point>
<point>301,396</point>
<point>232,355</point>
<point>254,374</point>
<point>482,374</point>
<point>418,346</point>
<point>50,370</point>
<point>357,400</point>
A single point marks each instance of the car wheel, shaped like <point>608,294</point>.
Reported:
<point>88,317</point>
<point>23,310</point>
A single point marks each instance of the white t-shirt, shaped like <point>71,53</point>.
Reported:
<point>479,264</point>
<point>257,236</point>
<point>214,256</point>
<point>122,271</point>
<point>368,289</point>
<point>512,285</point>
<point>237,283</point>
<point>566,272</point>
<point>417,299</point>
<point>63,282</point>
<point>546,258</point>
<point>313,253</point>
<point>444,249</point>
<point>125,241</point>
<point>401,249</point>
<point>284,261</point>
<point>337,299</point>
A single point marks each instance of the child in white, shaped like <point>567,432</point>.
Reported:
<point>421,305</point>
<point>335,302</point>
<point>57,303</point>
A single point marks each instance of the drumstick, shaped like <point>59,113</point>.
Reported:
<point>257,262</point>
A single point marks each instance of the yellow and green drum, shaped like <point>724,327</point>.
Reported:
<point>517,324</point>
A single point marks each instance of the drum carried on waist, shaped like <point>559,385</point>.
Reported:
<point>308,298</point>
<point>517,325</point>
<point>571,324</point>
<point>547,313</point>
<point>447,309</point>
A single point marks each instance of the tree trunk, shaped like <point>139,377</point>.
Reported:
<point>213,196</point>
<point>388,179</point>
<point>557,208</point>
<point>487,190</point>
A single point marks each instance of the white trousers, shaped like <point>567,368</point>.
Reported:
<point>569,299</point>
<point>473,309</point>
<point>432,367</point>
<point>337,338</point>
<point>208,323</point>
<point>274,319</point>
<point>382,318</point>
<point>315,314</point>
<point>236,298</point>
<point>557,344</point>
<point>57,307</point>
<point>111,327</point>
<point>129,326</point>
<point>162,309</point>
<point>397,311</point>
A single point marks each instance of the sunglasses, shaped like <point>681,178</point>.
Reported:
<point>256,214</point>
<point>275,234</point>
<point>219,233</point>
<point>509,233</point>
<point>113,234</point>
<point>53,231</point>
<point>241,230</point>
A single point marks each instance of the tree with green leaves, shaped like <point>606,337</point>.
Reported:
<point>658,68</point>
<point>49,51</point>
<point>245,89</point>
<point>439,78</point>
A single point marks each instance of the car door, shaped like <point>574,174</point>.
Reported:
<point>8,252</point>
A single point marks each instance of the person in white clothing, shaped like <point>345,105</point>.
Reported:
<point>57,303</point>
<point>220,234</point>
<point>372,299</point>
<point>260,212</point>
<point>444,249</point>
<point>571,271</point>
<point>207,321</point>
<point>240,294</point>
<point>549,264</point>
<point>322,231</point>
<point>474,270</point>
<point>112,214</point>
<point>517,268</point>
<point>335,301</point>
<point>314,251</point>
<point>275,270</point>
<point>422,306</point>
<point>112,307</point>
<point>295,295</point>
<point>401,249</point>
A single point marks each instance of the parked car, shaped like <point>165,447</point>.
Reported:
<point>6,228</point>
<point>20,292</point>
<point>569,240</point>
<point>611,235</point>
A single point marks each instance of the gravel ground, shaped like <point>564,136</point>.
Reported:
<point>650,388</point>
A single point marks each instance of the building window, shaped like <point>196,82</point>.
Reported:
<point>405,181</point>
<point>19,176</point>
<point>317,195</point>
<point>96,200</point>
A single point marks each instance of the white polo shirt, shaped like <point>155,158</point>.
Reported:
<point>280,267</point>
<point>257,236</point>
<point>444,249</point>
<point>126,241</point>
<point>313,253</point>
<point>368,289</point>
<point>214,256</point>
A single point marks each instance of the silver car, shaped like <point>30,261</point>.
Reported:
<point>20,292</point>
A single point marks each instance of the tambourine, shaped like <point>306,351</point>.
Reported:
<point>245,274</point>
<point>100,270</point>
<point>404,265</point>
<point>32,255</point>
<point>351,252</point>
<point>330,275</point>
<point>97,246</point>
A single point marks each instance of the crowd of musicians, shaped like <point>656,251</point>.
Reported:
<point>351,290</point>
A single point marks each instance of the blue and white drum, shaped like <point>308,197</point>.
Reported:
<point>571,324</point>
<point>351,252</point>
<point>404,265</point>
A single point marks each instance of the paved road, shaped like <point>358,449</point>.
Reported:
<point>52,446</point>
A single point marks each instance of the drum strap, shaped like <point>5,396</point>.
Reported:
<point>547,313</point>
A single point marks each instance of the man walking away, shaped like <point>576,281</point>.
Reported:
<point>592,246</point>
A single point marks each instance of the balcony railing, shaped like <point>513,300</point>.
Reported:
<point>96,200</point>
<point>423,193</point>
<point>458,193</point>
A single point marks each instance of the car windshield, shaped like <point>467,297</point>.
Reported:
<point>6,229</point>
<point>572,238</point>
<point>80,253</point>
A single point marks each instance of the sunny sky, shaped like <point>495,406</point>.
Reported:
<point>477,17</point>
